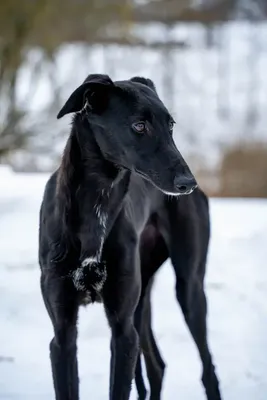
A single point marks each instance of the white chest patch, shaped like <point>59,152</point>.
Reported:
<point>101,216</point>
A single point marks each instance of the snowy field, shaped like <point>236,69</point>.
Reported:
<point>236,286</point>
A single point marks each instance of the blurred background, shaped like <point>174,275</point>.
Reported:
<point>208,59</point>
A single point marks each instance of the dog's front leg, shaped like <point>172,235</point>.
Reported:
<point>91,273</point>
<point>98,214</point>
<point>60,298</point>
<point>120,296</point>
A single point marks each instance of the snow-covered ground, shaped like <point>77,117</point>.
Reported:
<point>236,286</point>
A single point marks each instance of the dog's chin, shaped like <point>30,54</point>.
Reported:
<point>157,186</point>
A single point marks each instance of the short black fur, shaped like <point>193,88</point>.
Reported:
<point>110,217</point>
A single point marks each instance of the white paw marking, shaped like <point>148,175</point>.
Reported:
<point>78,274</point>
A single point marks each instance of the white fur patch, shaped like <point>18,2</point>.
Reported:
<point>89,260</point>
<point>102,216</point>
<point>77,276</point>
<point>101,247</point>
<point>99,285</point>
<point>103,275</point>
<point>103,220</point>
<point>85,107</point>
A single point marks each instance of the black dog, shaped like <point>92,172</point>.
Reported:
<point>104,210</point>
<point>184,237</point>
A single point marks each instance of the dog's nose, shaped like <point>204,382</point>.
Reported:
<point>185,184</point>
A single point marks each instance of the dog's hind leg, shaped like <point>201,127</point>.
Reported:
<point>189,239</point>
<point>139,378</point>
<point>155,365</point>
<point>153,254</point>
<point>61,303</point>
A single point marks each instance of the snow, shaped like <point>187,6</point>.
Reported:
<point>236,286</point>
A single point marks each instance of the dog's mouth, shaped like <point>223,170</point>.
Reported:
<point>143,175</point>
<point>147,178</point>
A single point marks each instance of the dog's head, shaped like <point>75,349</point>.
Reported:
<point>133,130</point>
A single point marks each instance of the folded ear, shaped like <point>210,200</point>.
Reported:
<point>94,90</point>
<point>145,81</point>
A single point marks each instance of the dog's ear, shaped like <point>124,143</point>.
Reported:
<point>94,90</point>
<point>145,81</point>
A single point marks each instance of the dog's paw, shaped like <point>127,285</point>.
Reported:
<point>95,274</point>
<point>91,275</point>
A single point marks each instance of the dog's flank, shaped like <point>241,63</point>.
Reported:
<point>107,225</point>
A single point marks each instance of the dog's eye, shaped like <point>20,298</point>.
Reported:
<point>139,127</point>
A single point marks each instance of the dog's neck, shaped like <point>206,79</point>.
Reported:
<point>98,177</point>
<point>91,193</point>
